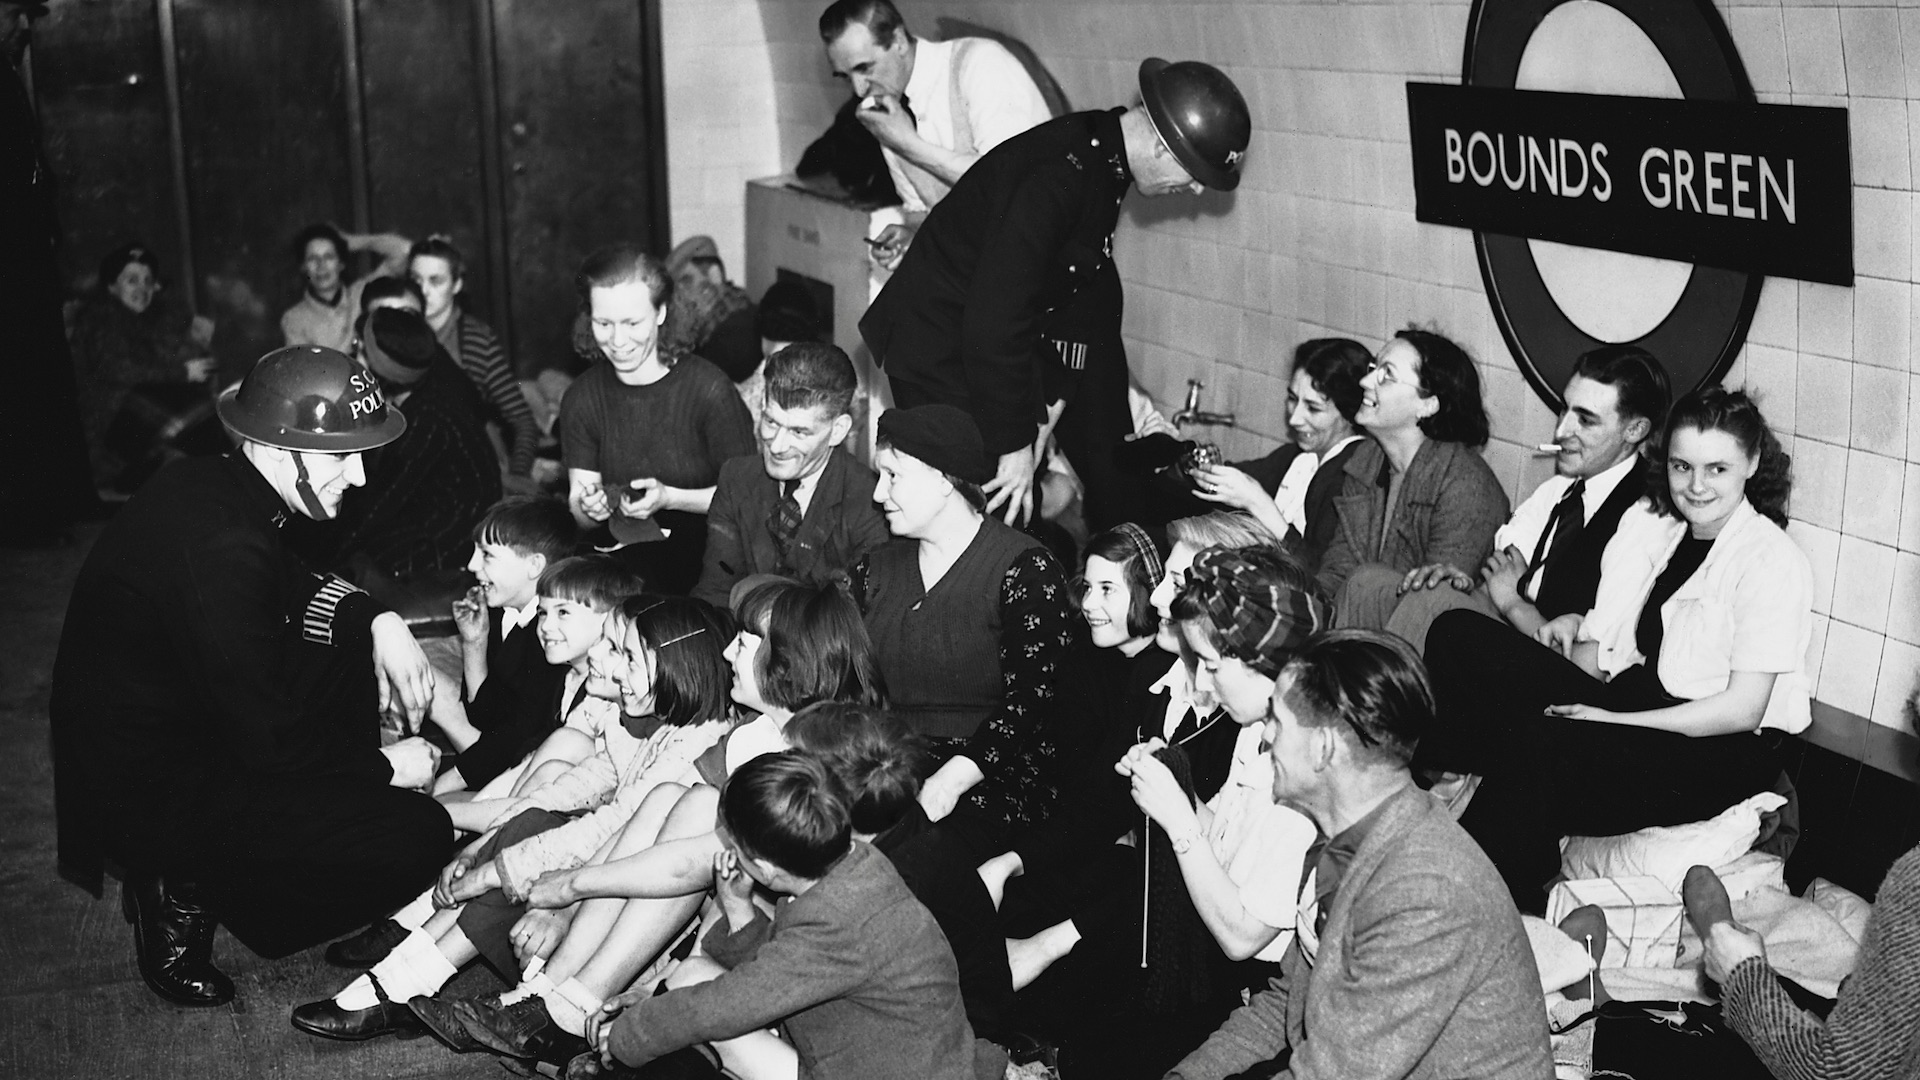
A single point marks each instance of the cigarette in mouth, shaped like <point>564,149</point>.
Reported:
<point>1546,448</point>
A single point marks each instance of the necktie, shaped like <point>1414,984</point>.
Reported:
<point>784,522</point>
<point>1569,517</point>
<point>908,109</point>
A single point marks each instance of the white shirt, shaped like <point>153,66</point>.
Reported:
<point>1291,496</point>
<point>1261,845</point>
<point>1748,608</point>
<point>1000,98</point>
<point>512,619</point>
<point>809,484</point>
<point>1524,529</point>
<point>1177,684</point>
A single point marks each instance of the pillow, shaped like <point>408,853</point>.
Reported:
<point>1562,960</point>
<point>1847,907</point>
<point>1666,852</point>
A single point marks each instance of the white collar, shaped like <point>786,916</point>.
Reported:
<point>931,62</point>
<point>1600,488</point>
<point>512,619</point>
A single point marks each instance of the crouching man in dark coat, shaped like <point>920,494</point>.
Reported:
<point>216,704</point>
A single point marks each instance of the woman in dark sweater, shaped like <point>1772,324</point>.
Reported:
<point>644,434</point>
<point>1291,490</point>
<point>973,625</point>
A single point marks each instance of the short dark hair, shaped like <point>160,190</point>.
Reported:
<point>321,231</point>
<point>876,756</point>
<point>1637,378</point>
<point>1369,684</point>
<point>529,524</point>
<point>817,648</point>
<point>388,287</point>
<point>880,17</point>
<point>691,678</point>
<point>599,581</point>
<point>808,374</point>
<point>1448,375</point>
<point>439,247</point>
<point>1115,547</point>
<point>1732,411</point>
<point>1335,366</point>
<point>789,809</point>
<point>117,260</point>
<point>617,264</point>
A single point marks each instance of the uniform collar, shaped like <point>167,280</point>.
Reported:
<point>258,491</point>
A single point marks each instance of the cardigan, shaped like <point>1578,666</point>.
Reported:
<point>1450,506</point>
<point>1872,1030</point>
<point>1422,970</point>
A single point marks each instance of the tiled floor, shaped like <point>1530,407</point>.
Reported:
<point>71,1002</point>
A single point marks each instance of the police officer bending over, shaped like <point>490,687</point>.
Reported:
<point>216,704</point>
<point>1008,303</point>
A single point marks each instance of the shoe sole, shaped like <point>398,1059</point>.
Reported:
<point>400,1031</point>
<point>461,1041</point>
<point>485,1037</point>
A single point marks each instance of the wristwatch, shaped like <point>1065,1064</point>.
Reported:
<point>1184,843</point>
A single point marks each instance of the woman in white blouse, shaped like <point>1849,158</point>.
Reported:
<point>1291,490</point>
<point>1668,701</point>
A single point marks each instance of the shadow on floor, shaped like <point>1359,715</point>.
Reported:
<point>71,1002</point>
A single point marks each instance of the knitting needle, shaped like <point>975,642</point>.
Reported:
<point>1146,882</point>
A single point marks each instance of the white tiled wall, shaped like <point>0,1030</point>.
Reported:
<point>1321,239</point>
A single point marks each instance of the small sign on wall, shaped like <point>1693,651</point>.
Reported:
<point>1741,186</point>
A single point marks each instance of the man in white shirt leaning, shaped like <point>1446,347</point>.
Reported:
<point>934,106</point>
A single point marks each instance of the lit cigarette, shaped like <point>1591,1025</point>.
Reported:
<point>1546,448</point>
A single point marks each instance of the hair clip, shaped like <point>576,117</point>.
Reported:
<point>691,633</point>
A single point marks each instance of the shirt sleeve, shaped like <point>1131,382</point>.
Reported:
<point>1019,744</point>
<point>1524,528</point>
<point>1000,96</point>
<point>1772,606</point>
<point>579,425</point>
<point>486,361</point>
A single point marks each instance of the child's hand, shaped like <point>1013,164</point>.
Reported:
<point>470,617</point>
<point>734,889</point>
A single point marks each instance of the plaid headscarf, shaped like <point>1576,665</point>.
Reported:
<point>1152,566</point>
<point>1261,604</point>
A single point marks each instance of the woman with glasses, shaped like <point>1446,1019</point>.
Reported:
<point>1418,493</point>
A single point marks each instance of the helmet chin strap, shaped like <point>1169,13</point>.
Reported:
<point>303,487</point>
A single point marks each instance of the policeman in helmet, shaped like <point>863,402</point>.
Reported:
<point>216,703</point>
<point>1008,303</point>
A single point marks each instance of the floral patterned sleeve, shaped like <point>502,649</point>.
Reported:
<point>1019,745</point>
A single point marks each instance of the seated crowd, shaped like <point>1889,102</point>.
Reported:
<point>750,757</point>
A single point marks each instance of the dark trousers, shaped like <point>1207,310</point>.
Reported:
<point>1545,777</point>
<point>1096,421</point>
<point>313,859</point>
<point>488,919</point>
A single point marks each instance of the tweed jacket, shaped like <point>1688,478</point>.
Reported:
<point>841,524</point>
<point>1422,971</point>
<point>1450,506</point>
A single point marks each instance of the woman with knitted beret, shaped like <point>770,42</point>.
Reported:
<point>973,627</point>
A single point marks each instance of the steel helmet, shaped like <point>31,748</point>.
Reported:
<point>1200,115</point>
<point>304,397</point>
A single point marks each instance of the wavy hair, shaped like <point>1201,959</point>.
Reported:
<point>1732,411</point>
<point>1447,374</point>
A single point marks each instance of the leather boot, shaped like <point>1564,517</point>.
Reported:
<point>173,941</point>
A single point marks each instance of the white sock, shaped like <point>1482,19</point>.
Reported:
<point>415,915</point>
<point>538,986</point>
<point>414,967</point>
<point>570,1004</point>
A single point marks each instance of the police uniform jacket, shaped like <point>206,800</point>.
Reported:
<point>1011,279</point>
<point>201,664</point>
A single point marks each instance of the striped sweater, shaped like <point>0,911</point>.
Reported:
<point>481,356</point>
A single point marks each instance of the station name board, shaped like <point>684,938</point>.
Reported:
<point>1760,188</point>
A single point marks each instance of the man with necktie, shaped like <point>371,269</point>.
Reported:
<point>802,507</point>
<point>934,106</point>
<point>1546,558</point>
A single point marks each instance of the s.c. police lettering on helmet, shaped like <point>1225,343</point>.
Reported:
<point>368,399</point>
